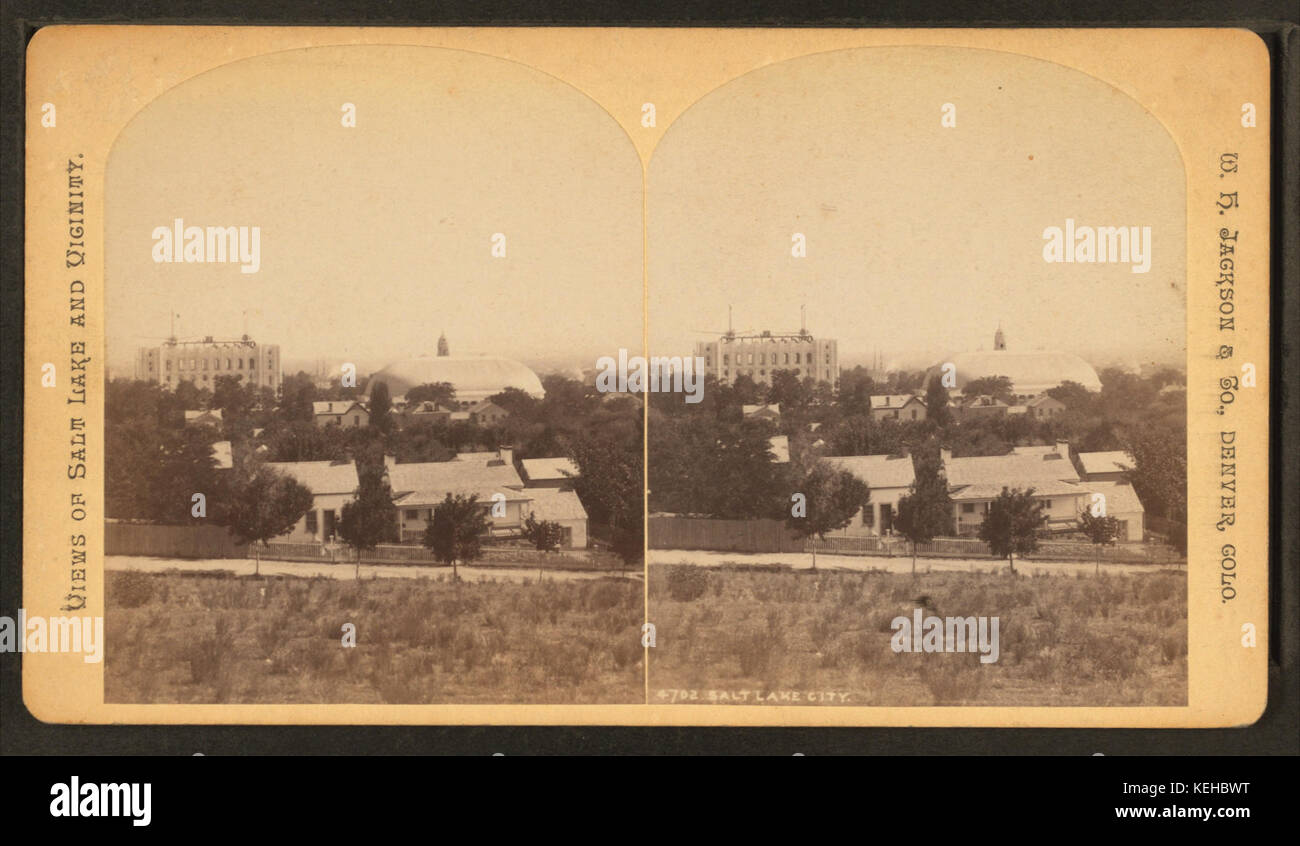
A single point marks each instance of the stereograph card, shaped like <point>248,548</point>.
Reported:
<point>646,376</point>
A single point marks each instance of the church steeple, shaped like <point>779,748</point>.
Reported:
<point>999,340</point>
<point>443,348</point>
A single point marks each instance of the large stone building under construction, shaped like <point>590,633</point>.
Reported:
<point>759,355</point>
<point>201,362</point>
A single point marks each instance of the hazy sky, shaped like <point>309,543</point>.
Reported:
<point>375,239</point>
<point>920,238</point>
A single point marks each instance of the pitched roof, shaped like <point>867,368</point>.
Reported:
<point>429,482</point>
<point>1109,461</point>
<point>1044,399</point>
<point>767,410</point>
<point>553,504</point>
<point>880,401</point>
<point>200,414</point>
<point>559,467</point>
<point>1042,487</point>
<point>878,471</point>
<point>483,405</point>
<point>1013,471</point>
<point>322,477</point>
<point>424,407</point>
<point>982,401</point>
<point>1120,497</point>
<point>334,406</point>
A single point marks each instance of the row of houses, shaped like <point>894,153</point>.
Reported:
<point>507,497</point>
<point>974,482</point>
<point>355,413</point>
<point>912,408</point>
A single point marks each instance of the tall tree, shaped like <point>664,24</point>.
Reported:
<point>264,505</point>
<point>381,407</point>
<point>454,530</point>
<point>831,498</point>
<point>925,511</point>
<point>936,402</point>
<point>1072,395</point>
<point>611,482</point>
<point>1011,525</point>
<point>369,520</point>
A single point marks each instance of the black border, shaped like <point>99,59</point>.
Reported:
<point>1278,730</point>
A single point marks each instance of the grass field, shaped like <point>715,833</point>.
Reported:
<point>725,635</point>
<point>203,638</point>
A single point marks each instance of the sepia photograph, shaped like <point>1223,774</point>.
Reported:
<point>939,299</point>
<point>572,376</point>
<point>355,452</point>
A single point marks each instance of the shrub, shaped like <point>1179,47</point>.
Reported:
<point>687,583</point>
<point>129,589</point>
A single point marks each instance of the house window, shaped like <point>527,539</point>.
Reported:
<point>868,516</point>
<point>726,358</point>
<point>412,514</point>
<point>252,363</point>
<point>356,420</point>
<point>1047,503</point>
<point>886,517</point>
<point>914,414</point>
<point>796,358</point>
<point>311,522</point>
<point>968,508</point>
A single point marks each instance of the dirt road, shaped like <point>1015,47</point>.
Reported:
<point>308,569</point>
<point>863,563</point>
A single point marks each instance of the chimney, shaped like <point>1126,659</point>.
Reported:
<point>1063,449</point>
<point>507,455</point>
<point>945,454</point>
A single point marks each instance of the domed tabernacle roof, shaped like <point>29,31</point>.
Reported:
<point>474,378</point>
<point>1030,373</point>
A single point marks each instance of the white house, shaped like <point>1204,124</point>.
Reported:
<point>419,488</point>
<point>332,484</point>
<point>904,407</point>
<point>973,484</point>
<point>889,478</point>
<point>564,508</point>
<point>1122,503</point>
<point>346,413</point>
